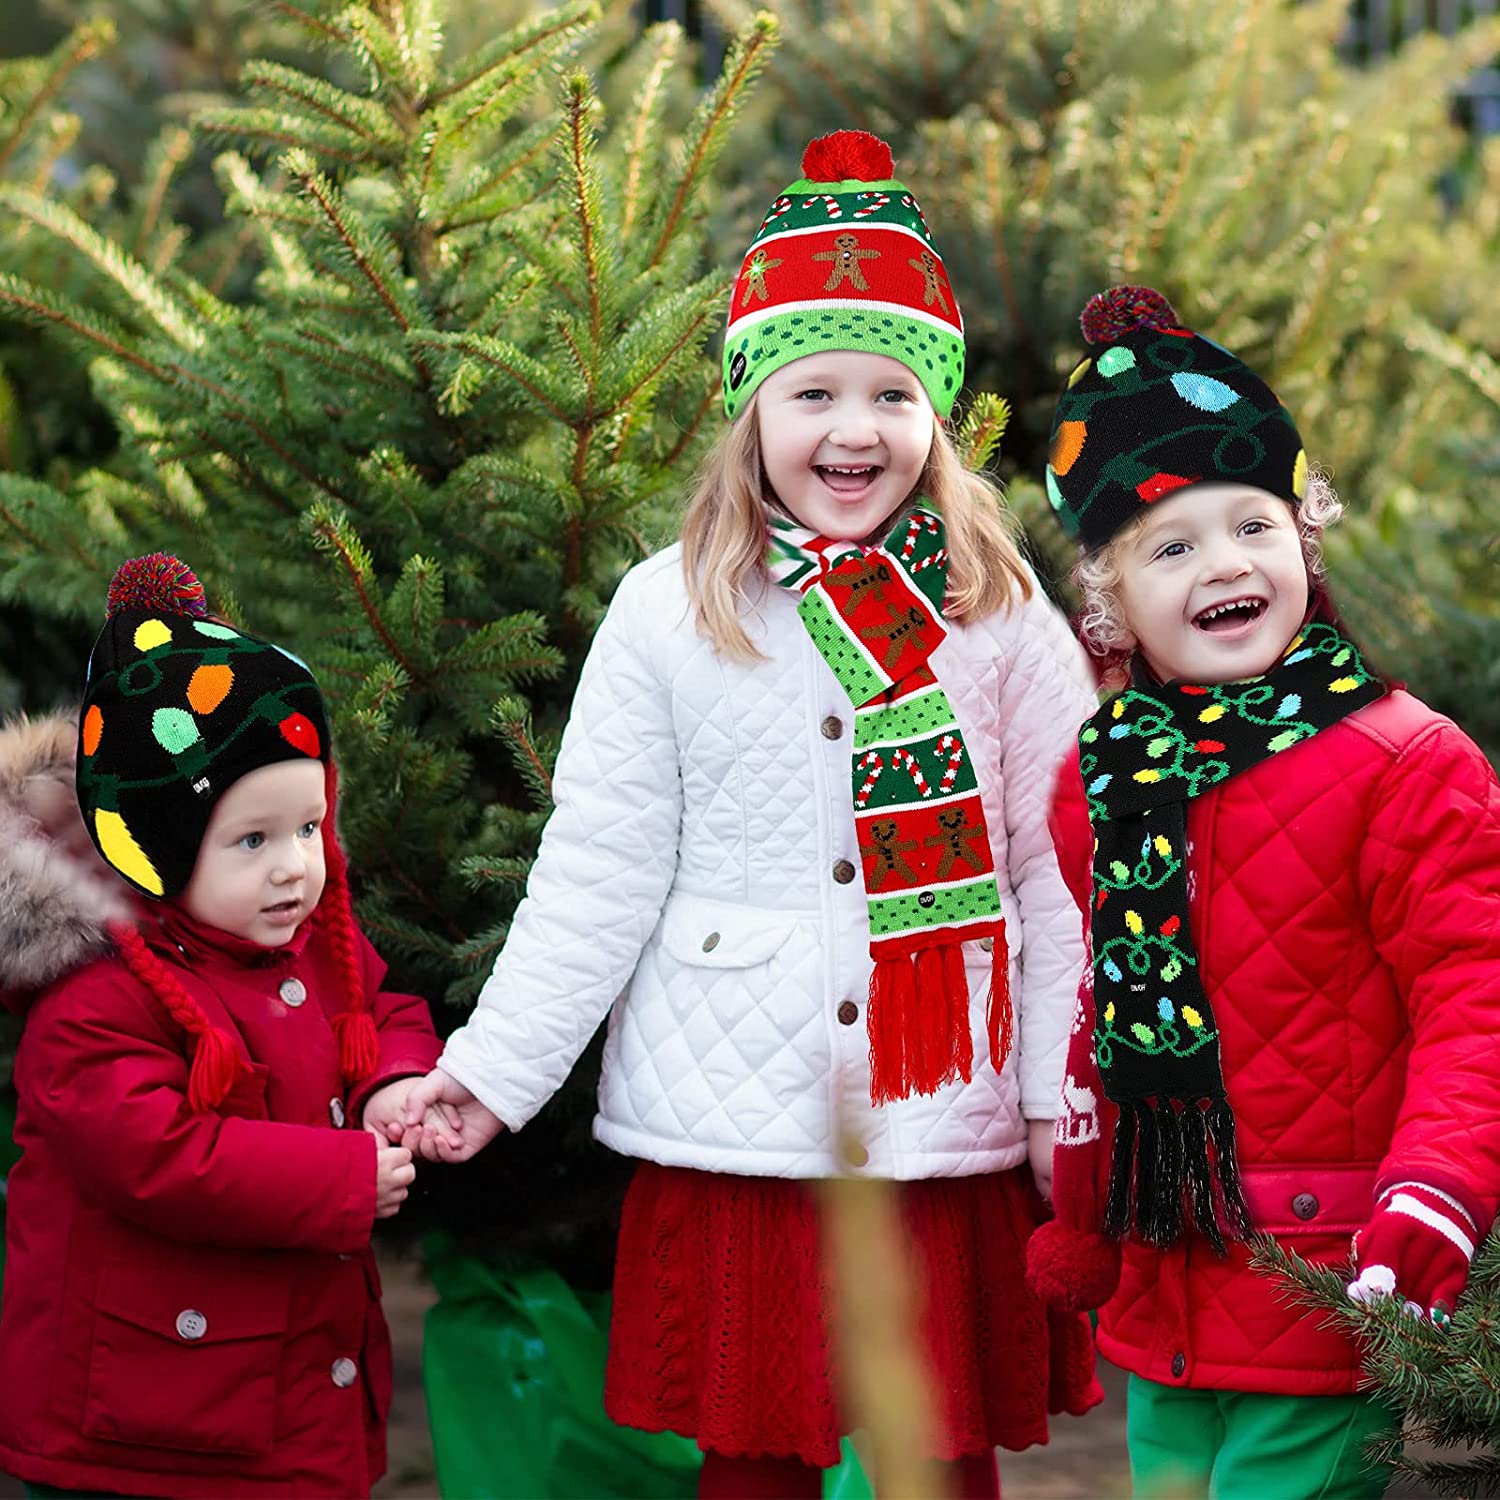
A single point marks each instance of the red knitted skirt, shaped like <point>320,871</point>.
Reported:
<point>720,1328</point>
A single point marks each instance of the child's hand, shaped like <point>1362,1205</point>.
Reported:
<point>385,1112</point>
<point>433,1137</point>
<point>394,1175</point>
<point>1039,1154</point>
<point>1417,1246</point>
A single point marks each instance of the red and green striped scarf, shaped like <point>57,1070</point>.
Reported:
<point>875,615</point>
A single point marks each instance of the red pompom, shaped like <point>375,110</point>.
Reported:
<point>848,156</point>
<point>1122,309</point>
<point>157,581</point>
<point>1075,1270</point>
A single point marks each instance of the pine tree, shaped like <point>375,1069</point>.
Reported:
<point>461,397</point>
<point>1445,1381</point>
<point>1302,210</point>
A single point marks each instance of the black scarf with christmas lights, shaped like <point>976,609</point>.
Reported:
<point>1143,756</point>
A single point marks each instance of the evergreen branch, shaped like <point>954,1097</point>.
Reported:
<point>708,294</point>
<point>332,534</point>
<point>513,720</point>
<point>302,169</point>
<point>86,43</point>
<point>272,129</point>
<point>585,200</point>
<point>123,269</point>
<point>746,60</point>
<point>667,39</point>
<point>710,399</point>
<point>365,118</point>
<point>510,50</point>
<point>528,373</point>
<point>982,428</point>
<point>168,152</point>
<point>38,306</point>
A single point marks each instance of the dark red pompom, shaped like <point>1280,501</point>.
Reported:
<point>157,581</point>
<point>1122,309</point>
<point>848,156</point>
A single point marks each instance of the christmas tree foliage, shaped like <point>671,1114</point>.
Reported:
<point>1446,1381</point>
<point>1298,208</point>
<point>462,394</point>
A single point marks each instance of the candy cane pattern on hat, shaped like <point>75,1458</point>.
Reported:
<point>879,201</point>
<point>829,202</point>
<point>955,752</point>
<point>876,762</point>
<point>779,207</point>
<point>916,208</point>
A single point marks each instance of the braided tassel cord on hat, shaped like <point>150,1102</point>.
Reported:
<point>217,1061</point>
<point>354,1026</point>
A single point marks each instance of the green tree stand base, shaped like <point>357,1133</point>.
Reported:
<point>513,1368</point>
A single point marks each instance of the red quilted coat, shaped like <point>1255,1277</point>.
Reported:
<point>1345,905</point>
<point>190,1305</point>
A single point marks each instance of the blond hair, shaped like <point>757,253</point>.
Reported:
<point>1097,574</point>
<point>724,535</point>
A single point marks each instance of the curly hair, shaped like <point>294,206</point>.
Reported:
<point>1101,621</point>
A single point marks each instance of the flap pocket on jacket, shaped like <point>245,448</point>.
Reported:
<point>185,1356</point>
<point>722,934</point>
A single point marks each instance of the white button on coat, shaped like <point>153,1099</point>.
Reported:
<point>336,1112</point>
<point>344,1372</point>
<point>293,991</point>
<point>191,1324</point>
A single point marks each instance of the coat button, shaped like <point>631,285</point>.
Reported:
<point>1305,1206</point>
<point>191,1324</point>
<point>843,871</point>
<point>711,942</point>
<point>858,1156</point>
<point>293,991</point>
<point>1179,1364</point>
<point>848,1013</point>
<point>344,1372</point>
<point>833,727</point>
<point>988,944</point>
<point>336,1113</point>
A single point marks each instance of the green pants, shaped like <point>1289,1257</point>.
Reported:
<point>1239,1445</point>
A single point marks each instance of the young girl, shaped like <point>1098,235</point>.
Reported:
<point>1291,875</point>
<point>800,858</point>
<point>191,1306</point>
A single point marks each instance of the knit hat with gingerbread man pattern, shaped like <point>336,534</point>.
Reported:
<point>844,260</point>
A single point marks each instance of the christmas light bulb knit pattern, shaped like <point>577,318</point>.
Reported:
<point>1143,756</point>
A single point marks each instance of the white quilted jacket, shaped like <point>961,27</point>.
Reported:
<point>685,888</point>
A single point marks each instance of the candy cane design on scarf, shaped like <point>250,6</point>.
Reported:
<point>875,615</point>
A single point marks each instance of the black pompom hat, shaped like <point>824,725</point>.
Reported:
<point>177,708</point>
<point>1154,408</point>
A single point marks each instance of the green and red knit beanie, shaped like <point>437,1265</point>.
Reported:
<point>176,709</point>
<point>844,260</point>
<point>1154,408</point>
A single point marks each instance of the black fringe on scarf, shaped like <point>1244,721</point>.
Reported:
<point>1161,1154</point>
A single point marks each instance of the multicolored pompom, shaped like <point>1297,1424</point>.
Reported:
<point>157,581</point>
<point>1110,315</point>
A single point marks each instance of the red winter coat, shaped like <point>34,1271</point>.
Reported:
<point>191,1306</point>
<point>1345,905</point>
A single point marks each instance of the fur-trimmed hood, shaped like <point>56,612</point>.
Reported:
<point>56,894</point>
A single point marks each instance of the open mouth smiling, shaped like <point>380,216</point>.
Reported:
<point>1232,614</point>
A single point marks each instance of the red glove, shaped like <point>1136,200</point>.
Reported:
<point>1417,1246</point>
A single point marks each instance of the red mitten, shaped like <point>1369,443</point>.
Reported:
<point>1069,1262</point>
<point>1417,1246</point>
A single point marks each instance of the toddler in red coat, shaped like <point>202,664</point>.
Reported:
<point>191,1305</point>
<point>1290,877</point>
